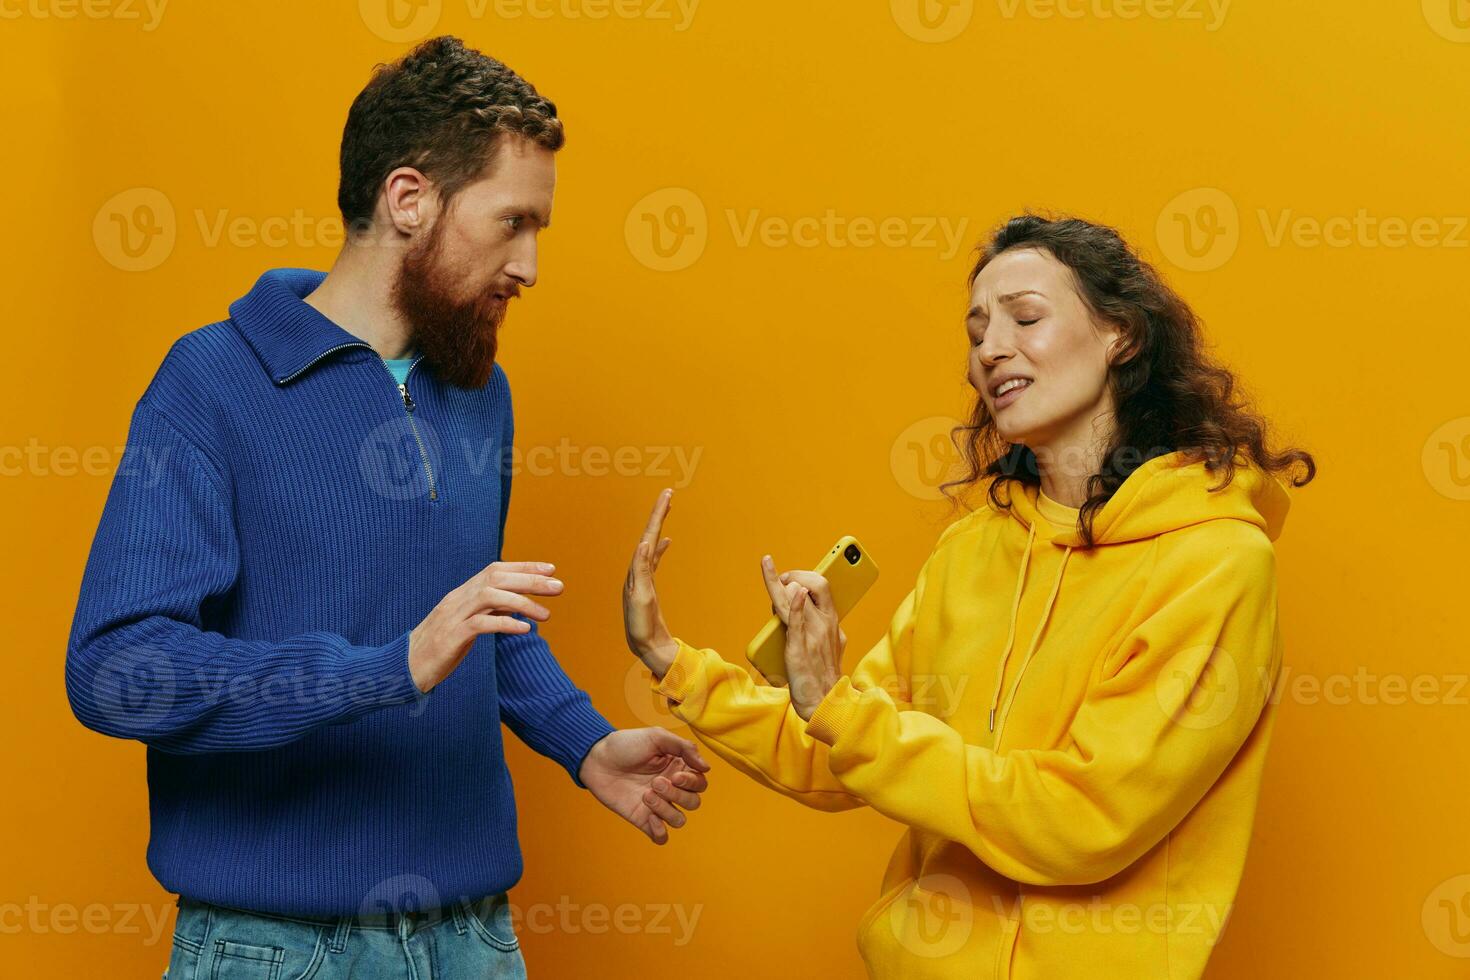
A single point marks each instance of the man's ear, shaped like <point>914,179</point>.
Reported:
<point>408,200</point>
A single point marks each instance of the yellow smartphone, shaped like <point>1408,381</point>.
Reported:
<point>849,570</point>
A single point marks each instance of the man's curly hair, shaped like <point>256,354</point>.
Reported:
<point>442,108</point>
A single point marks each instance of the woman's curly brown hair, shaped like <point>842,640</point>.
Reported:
<point>443,109</point>
<point>1169,395</point>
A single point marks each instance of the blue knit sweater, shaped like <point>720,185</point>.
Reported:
<point>282,517</point>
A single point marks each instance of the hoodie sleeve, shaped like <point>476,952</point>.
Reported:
<point>140,663</point>
<point>755,728</point>
<point>1172,706</point>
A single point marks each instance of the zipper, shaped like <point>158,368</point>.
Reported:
<point>408,402</point>
<point>326,353</point>
<point>408,406</point>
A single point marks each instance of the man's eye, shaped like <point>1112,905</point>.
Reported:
<point>976,341</point>
<point>1027,323</point>
<point>514,222</point>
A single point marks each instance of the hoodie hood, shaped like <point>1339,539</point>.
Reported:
<point>1164,494</point>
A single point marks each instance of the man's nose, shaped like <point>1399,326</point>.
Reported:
<point>522,267</point>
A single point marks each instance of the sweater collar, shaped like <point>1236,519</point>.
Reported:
<point>288,335</point>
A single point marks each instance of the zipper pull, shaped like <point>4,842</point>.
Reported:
<point>407,399</point>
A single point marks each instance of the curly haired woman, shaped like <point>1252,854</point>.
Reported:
<point>1106,618</point>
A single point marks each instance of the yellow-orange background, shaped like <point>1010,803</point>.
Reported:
<point>793,371</point>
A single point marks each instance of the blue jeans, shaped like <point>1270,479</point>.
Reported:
<point>472,940</point>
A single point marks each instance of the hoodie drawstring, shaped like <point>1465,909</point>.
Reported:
<point>1005,655</point>
<point>1011,633</point>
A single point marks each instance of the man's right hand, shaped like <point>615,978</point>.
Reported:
<point>484,604</point>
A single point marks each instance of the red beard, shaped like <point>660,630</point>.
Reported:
<point>457,337</point>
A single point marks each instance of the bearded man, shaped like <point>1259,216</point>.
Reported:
<point>296,598</point>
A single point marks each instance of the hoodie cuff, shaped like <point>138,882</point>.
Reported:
<point>683,675</point>
<point>835,713</point>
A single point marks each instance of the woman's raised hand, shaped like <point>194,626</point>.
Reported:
<point>643,622</point>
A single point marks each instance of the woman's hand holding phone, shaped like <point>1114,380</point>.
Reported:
<point>814,638</point>
<point>643,623</point>
<point>801,598</point>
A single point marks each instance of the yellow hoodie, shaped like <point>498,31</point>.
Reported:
<point>1073,736</point>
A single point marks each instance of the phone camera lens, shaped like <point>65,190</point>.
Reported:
<point>852,554</point>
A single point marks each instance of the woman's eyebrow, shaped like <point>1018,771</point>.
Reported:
<point>977,313</point>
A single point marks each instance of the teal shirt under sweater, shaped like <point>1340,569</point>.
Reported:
<point>399,367</point>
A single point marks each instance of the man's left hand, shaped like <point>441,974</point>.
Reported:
<point>645,776</point>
